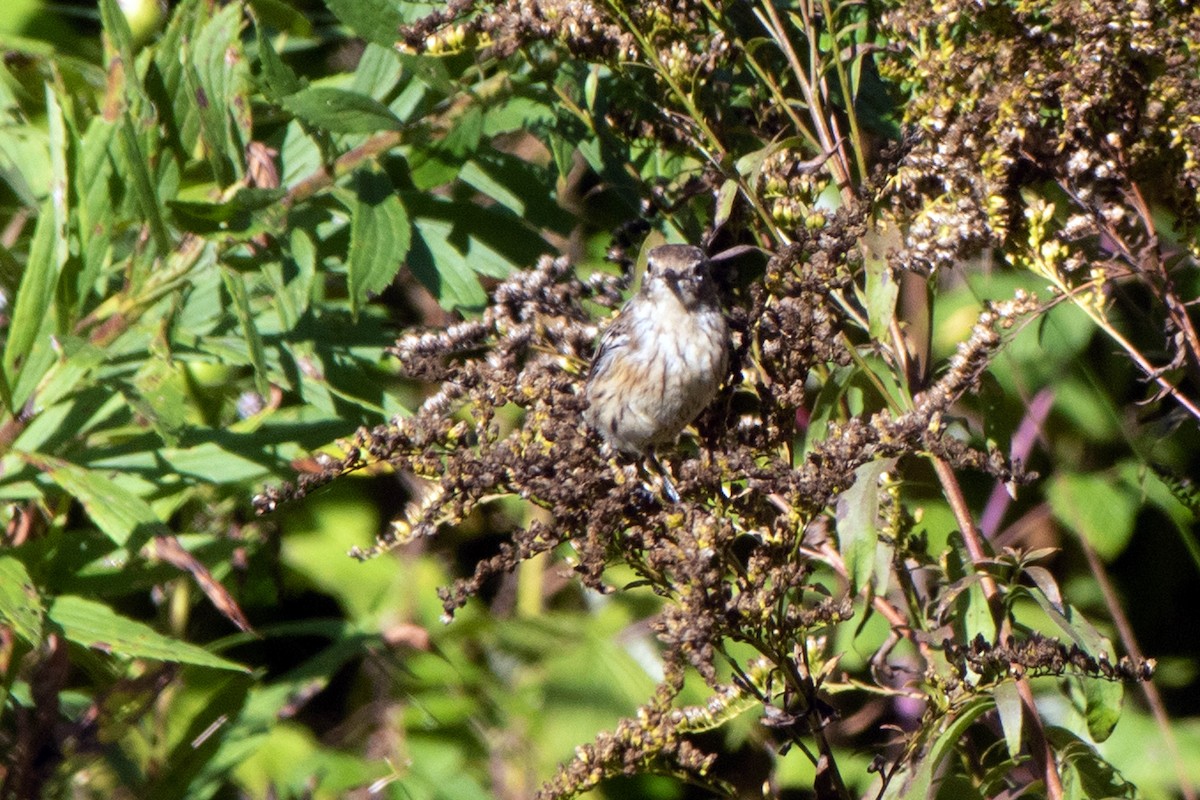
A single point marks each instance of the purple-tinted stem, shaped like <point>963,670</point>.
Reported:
<point>1022,444</point>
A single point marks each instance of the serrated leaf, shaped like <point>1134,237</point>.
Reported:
<point>118,513</point>
<point>376,21</point>
<point>95,625</point>
<point>380,235</point>
<point>277,79</point>
<point>20,605</point>
<point>858,522</point>
<point>340,111</point>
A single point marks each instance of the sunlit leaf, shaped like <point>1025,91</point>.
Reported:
<point>340,111</point>
<point>858,521</point>
<point>20,606</point>
<point>96,626</point>
<point>380,236</point>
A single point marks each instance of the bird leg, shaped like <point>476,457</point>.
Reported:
<point>668,486</point>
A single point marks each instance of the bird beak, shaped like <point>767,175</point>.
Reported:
<point>673,281</point>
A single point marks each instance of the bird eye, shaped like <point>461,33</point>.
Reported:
<point>698,270</point>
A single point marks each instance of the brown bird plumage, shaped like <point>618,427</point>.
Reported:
<point>663,358</point>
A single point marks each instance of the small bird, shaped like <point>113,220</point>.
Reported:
<point>661,361</point>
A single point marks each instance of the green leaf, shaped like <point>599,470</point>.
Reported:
<point>34,295</point>
<point>234,210</point>
<point>143,187</point>
<point>882,290</point>
<point>519,186</point>
<point>277,79</point>
<point>1097,507</point>
<point>340,111</point>
<point>376,21</point>
<point>454,240</point>
<point>1102,700</point>
<point>1008,705</point>
<point>920,786</point>
<point>378,72</point>
<point>121,515</point>
<point>725,198</point>
<point>858,520</point>
<point>1085,773</point>
<point>95,625</point>
<point>20,606</point>
<point>1073,624</point>
<point>117,31</point>
<point>235,284</point>
<point>380,235</point>
<point>219,78</point>
<point>161,398</point>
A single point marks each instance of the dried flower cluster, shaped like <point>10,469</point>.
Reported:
<point>595,31</point>
<point>737,558</point>
<point>1039,655</point>
<point>1057,92</point>
<point>729,556</point>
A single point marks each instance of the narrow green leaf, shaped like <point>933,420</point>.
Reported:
<point>380,235</point>
<point>20,606</point>
<point>920,786</point>
<point>34,295</point>
<point>1008,705</point>
<point>340,111</point>
<point>977,617</point>
<point>121,515</point>
<point>486,240</point>
<point>725,198</point>
<point>93,171</point>
<point>143,187</point>
<point>117,31</point>
<point>882,290</point>
<point>477,175</point>
<point>236,286</point>
<point>77,359</point>
<point>858,522</point>
<point>95,625</point>
<point>1073,625</point>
